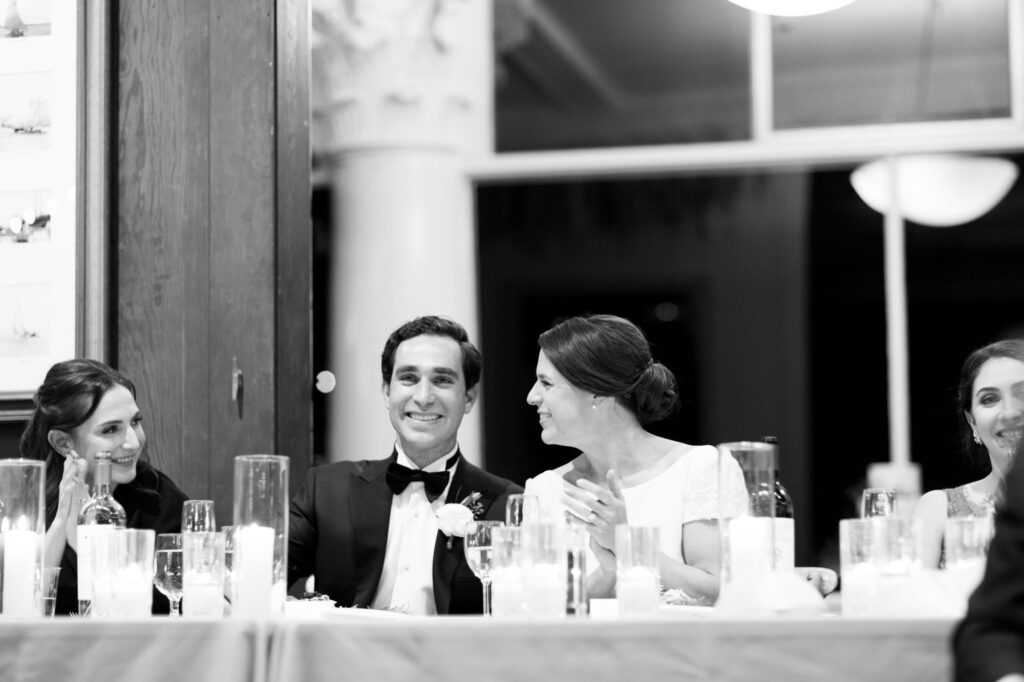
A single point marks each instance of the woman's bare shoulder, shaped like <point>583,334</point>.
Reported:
<point>932,503</point>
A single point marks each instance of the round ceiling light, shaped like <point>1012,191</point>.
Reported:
<point>791,8</point>
<point>939,190</point>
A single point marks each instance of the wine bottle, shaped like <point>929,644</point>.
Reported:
<point>785,532</point>
<point>100,514</point>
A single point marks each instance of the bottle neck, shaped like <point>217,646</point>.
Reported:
<point>101,479</point>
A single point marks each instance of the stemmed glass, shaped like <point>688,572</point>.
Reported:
<point>168,574</point>
<point>197,517</point>
<point>478,555</point>
<point>878,502</point>
<point>520,509</point>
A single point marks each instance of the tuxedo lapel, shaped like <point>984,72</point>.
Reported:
<point>446,561</point>
<point>370,512</point>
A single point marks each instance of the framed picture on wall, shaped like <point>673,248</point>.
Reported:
<point>52,189</point>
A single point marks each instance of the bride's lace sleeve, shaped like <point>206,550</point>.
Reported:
<point>700,488</point>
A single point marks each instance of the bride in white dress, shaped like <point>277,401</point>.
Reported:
<point>597,386</point>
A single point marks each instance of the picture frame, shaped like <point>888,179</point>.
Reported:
<point>54,189</point>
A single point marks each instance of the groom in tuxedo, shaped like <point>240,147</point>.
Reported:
<point>367,530</point>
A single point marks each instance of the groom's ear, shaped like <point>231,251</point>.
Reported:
<point>471,396</point>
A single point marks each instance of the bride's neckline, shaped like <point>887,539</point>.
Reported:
<point>581,468</point>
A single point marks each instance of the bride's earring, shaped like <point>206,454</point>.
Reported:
<point>976,438</point>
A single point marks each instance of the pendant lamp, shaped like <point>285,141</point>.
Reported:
<point>791,8</point>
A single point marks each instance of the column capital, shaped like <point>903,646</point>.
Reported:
<point>401,74</point>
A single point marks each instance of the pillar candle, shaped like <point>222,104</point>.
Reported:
<point>21,558</point>
<point>252,572</point>
<point>751,554</point>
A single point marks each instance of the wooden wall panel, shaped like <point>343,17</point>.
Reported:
<point>213,232</point>
<point>294,238</point>
<point>242,177</point>
<point>163,225</point>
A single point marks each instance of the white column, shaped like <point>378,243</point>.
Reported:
<point>401,100</point>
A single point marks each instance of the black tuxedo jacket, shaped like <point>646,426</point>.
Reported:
<point>989,642</point>
<point>338,531</point>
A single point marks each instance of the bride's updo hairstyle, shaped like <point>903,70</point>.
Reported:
<point>609,356</point>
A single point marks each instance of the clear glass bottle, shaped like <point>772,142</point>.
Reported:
<point>100,514</point>
<point>785,531</point>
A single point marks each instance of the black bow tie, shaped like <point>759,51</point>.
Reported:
<point>399,477</point>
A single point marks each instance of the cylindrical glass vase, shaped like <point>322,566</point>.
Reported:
<point>22,526</point>
<point>260,561</point>
<point>746,495</point>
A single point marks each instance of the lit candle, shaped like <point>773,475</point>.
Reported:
<point>750,547</point>
<point>21,558</point>
<point>252,571</point>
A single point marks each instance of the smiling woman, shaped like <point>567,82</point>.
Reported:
<point>84,407</point>
<point>991,401</point>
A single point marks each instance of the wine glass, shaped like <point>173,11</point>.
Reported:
<point>520,509</point>
<point>229,553</point>
<point>168,574</point>
<point>878,502</point>
<point>197,517</point>
<point>478,555</point>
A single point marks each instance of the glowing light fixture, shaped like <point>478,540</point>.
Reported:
<point>791,8</point>
<point>939,190</point>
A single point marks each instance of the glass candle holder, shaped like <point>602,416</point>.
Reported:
<point>637,579</point>
<point>260,562</point>
<point>203,567</point>
<point>22,526</point>
<point>746,493</point>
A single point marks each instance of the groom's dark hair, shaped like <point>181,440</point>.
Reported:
<point>433,325</point>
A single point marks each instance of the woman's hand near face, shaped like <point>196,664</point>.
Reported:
<point>71,494</point>
<point>598,508</point>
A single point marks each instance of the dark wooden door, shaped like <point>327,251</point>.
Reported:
<point>212,233</point>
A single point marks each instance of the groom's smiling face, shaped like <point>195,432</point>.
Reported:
<point>427,397</point>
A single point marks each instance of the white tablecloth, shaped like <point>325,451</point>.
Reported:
<point>351,649</point>
<point>146,650</point>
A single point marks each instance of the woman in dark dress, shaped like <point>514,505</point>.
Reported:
<point>84,407</point>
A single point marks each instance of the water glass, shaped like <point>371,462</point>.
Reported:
<point>197,517</point>
<point>877,502</point>
<point>48,589</point>
<point>878,558</point>
<point>637,578</point>
<point>203,574</point>
<point>508,598</point>
<point>577,541</point>
<point>124,586</point>
<point>168,575</point>
<point>520,509</point>
<point>478,547</point>
<point>966,542</point>
<point>544,580</point>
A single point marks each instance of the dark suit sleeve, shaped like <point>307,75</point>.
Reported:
<point>989,643</point>
<point>302,530</point>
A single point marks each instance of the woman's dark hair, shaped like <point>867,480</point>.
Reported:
<point>66,399</point>
<point>433,325</point>
<point>1010,348</point>
<point>609,356</point>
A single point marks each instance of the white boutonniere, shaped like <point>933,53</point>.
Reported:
<point>455,520</point>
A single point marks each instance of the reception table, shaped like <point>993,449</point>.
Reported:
<point>145,650</point>
<point>349,648</point>
<point>346,646</point>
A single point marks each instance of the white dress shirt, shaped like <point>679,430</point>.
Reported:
<point>407,580</point>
